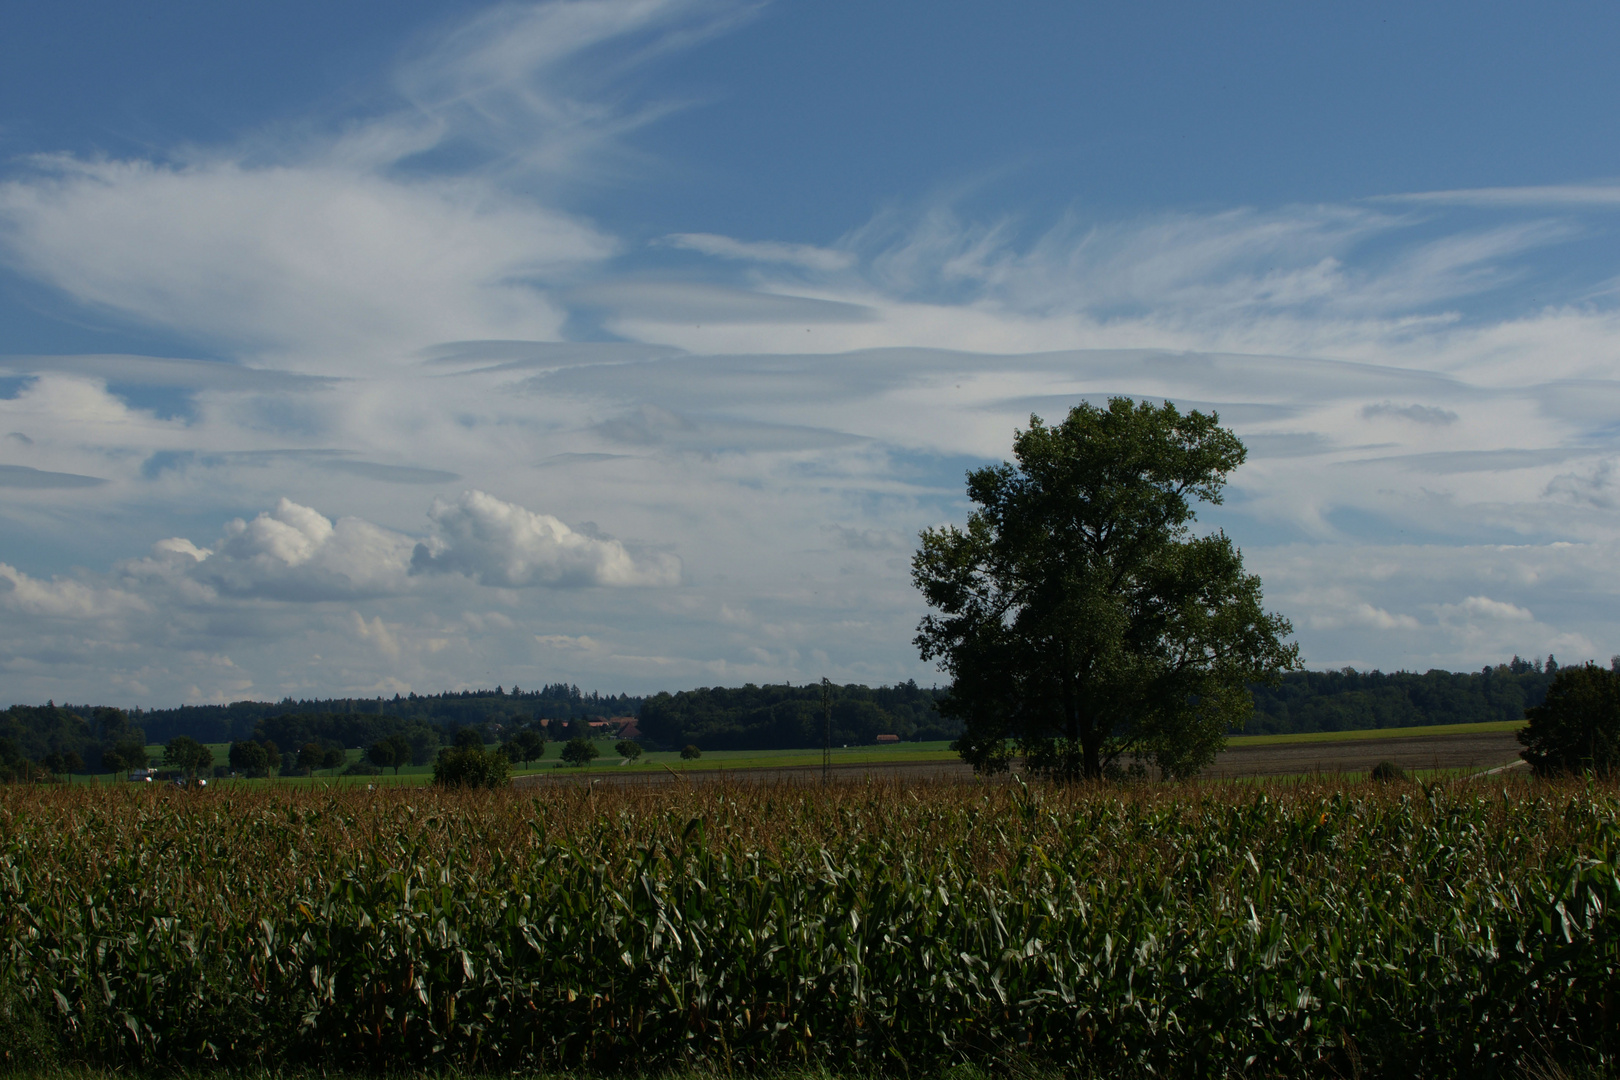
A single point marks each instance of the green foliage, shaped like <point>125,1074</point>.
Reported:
<point>249,758</point>
<point>627,748</point>
<point>580,751</point>
<point>394,752</point>
<point>526,746</point>
<point>1577,729</point>
<point>188,755</point>
<point>320,754</point>
<point>790,717</point>
<point>63,762</point>
<point>420,742</point>
<point>1078,614</point>
<point>28,1038</point>
<point>36,733</point>
<point>1350,700</point>
<point>471,767</point>
<point>690,752</point>
<point>124,757</point>
<point>362,721</point>
<point>14,767</point>
<point>1464,932</point>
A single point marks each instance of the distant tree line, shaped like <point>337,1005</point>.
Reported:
<point>1351,700</point>
<point>447,711</point>
<point>49,739</point>
<point>780,717</point>
<point>37,741</point>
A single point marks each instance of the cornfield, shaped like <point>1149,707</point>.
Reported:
<point>1457,930</point>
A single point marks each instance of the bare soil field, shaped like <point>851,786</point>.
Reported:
<point>1479,750</point>
<point>1474,751</point>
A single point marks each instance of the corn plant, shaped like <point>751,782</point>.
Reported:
<point>1121,931</point>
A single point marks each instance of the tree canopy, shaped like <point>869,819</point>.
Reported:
<point>1078,614</point>
<point>1577,729</point>
<point>187,754</point>
<point>580,752</point>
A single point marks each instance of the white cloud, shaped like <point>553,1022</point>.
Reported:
<point>533,86</point>
<point>806,256</point>
<point>293,258</point>
<point>1596,488</point>
<point>498,543</point>
<point>331,253</point>
<point>1483,607</point>
<point>63,598</point>
<point>377,634</point>
<point>1545,195</point>
<point>1417,414</point>
<point>1430,483</point>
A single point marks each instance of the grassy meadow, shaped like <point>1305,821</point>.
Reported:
<point>1320,928</point>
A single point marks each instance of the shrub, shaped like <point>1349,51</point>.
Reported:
<point>471,767</point>
<point>1388,770</point>
<point>690,753</point>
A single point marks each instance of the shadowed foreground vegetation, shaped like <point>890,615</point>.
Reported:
<point>1371,929</point>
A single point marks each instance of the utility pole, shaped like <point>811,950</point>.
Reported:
<point>826,730</point>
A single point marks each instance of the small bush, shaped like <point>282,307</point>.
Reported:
<point>690,752</point>
<point>362,767</point>
<point>471,767</point>
<point>1388,770</point>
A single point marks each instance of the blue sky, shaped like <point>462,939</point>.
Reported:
<point>358,348</point>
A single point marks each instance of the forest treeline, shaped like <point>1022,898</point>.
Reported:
<point>785,717</point>
<point>1351,700</point>
<point>78,735</point>
<point>749,717</point>
<point>446,712</point>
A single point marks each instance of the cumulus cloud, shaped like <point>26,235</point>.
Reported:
<point>497,543</point>
<point>295,553</point>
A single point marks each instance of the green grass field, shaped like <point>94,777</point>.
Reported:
<point>1237,741</point>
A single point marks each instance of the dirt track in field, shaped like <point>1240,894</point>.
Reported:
<point>1474,752</point>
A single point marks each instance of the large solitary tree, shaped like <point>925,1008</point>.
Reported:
<point>1084,624</point>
